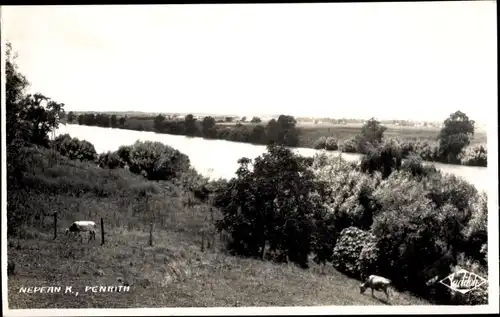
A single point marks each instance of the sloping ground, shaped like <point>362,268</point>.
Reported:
<point>203,279</point>
<point>172,273</point>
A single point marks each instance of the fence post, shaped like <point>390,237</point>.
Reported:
<point>55,225</point>
<point>151,234</point>
<point>213,232</point>
<point>202,240</point>
<point>102,231</point>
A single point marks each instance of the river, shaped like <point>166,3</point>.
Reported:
<point>218,158</point>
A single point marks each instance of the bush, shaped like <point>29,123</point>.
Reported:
<point>368,258</point>
<point>454,198</point>
<point>385,158</point>
<point>476,231</point>
<point>123,153</point>
<point>59,140</point>
<point>350,146</point>
<point>331,144</point>
<point>409,231</point>
<point>347,251</point>
<point>110,160</point>
<point>320,143</point>
<point>157,161</point>
<point>351,202</point>
<point>422,227</point>
<point>414,165</point>
<point>474,156</point>
<point>75,149</point>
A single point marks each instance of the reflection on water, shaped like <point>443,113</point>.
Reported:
<point>218,158</point>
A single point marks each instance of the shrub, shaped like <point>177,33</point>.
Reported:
<point>458,196</point>
<point>75,149</point>
<point>409,231</point>
<point>368,258</point>
<point>350,202</point>
<point>386,158</point>
<point>110,160</point>
<point>414,165</point>
<point>60,139</point>
<point>123,153</point>
<point>347,251</point>
<point>474,156</point>
<point>320,159</point>
<point>476,231</point>
<point>157,161</point>
<point>349,146</point>
<point>320,143</point>
<point>426,150</point>
<point>331,144</point>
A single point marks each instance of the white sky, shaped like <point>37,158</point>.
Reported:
<point>389,60</point>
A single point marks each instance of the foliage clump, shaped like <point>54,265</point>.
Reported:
<point>347,251</point>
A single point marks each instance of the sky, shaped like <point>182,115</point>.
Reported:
<point>414,60</point>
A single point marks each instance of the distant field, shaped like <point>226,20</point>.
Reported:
<point>310,132</point>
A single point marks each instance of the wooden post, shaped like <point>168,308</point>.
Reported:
<point>55,225</point>
<point>151,234</point>
<point>102,231</point>
<point>202,240</point>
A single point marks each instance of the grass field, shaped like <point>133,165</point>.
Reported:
<point>172,272</point>
<point>309,133</point>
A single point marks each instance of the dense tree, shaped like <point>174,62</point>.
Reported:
<point>372,131</point>
<point>385,158</point>
<point>208,127</point>
<point>113,121</point>
<point>71,117</point>
<point>159,123</point>
<point>273,132</point>
<point>258,135</point>
<point>256,120</point>
<point>190,124</point>
<point>282,131</point>
<point>30,118</point>
<point>16,85</point>
<point>456,134</point>
<point>274,204</point>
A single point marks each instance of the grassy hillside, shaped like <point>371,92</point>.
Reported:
<point>172,272</point>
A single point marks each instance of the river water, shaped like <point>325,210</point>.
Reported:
<point>218,158</point>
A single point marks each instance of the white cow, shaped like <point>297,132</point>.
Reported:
<point>82,226</point>
<point>376,282</point>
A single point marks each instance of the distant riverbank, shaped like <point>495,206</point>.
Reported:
<point>331,137</point>
<point>218,158</point>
